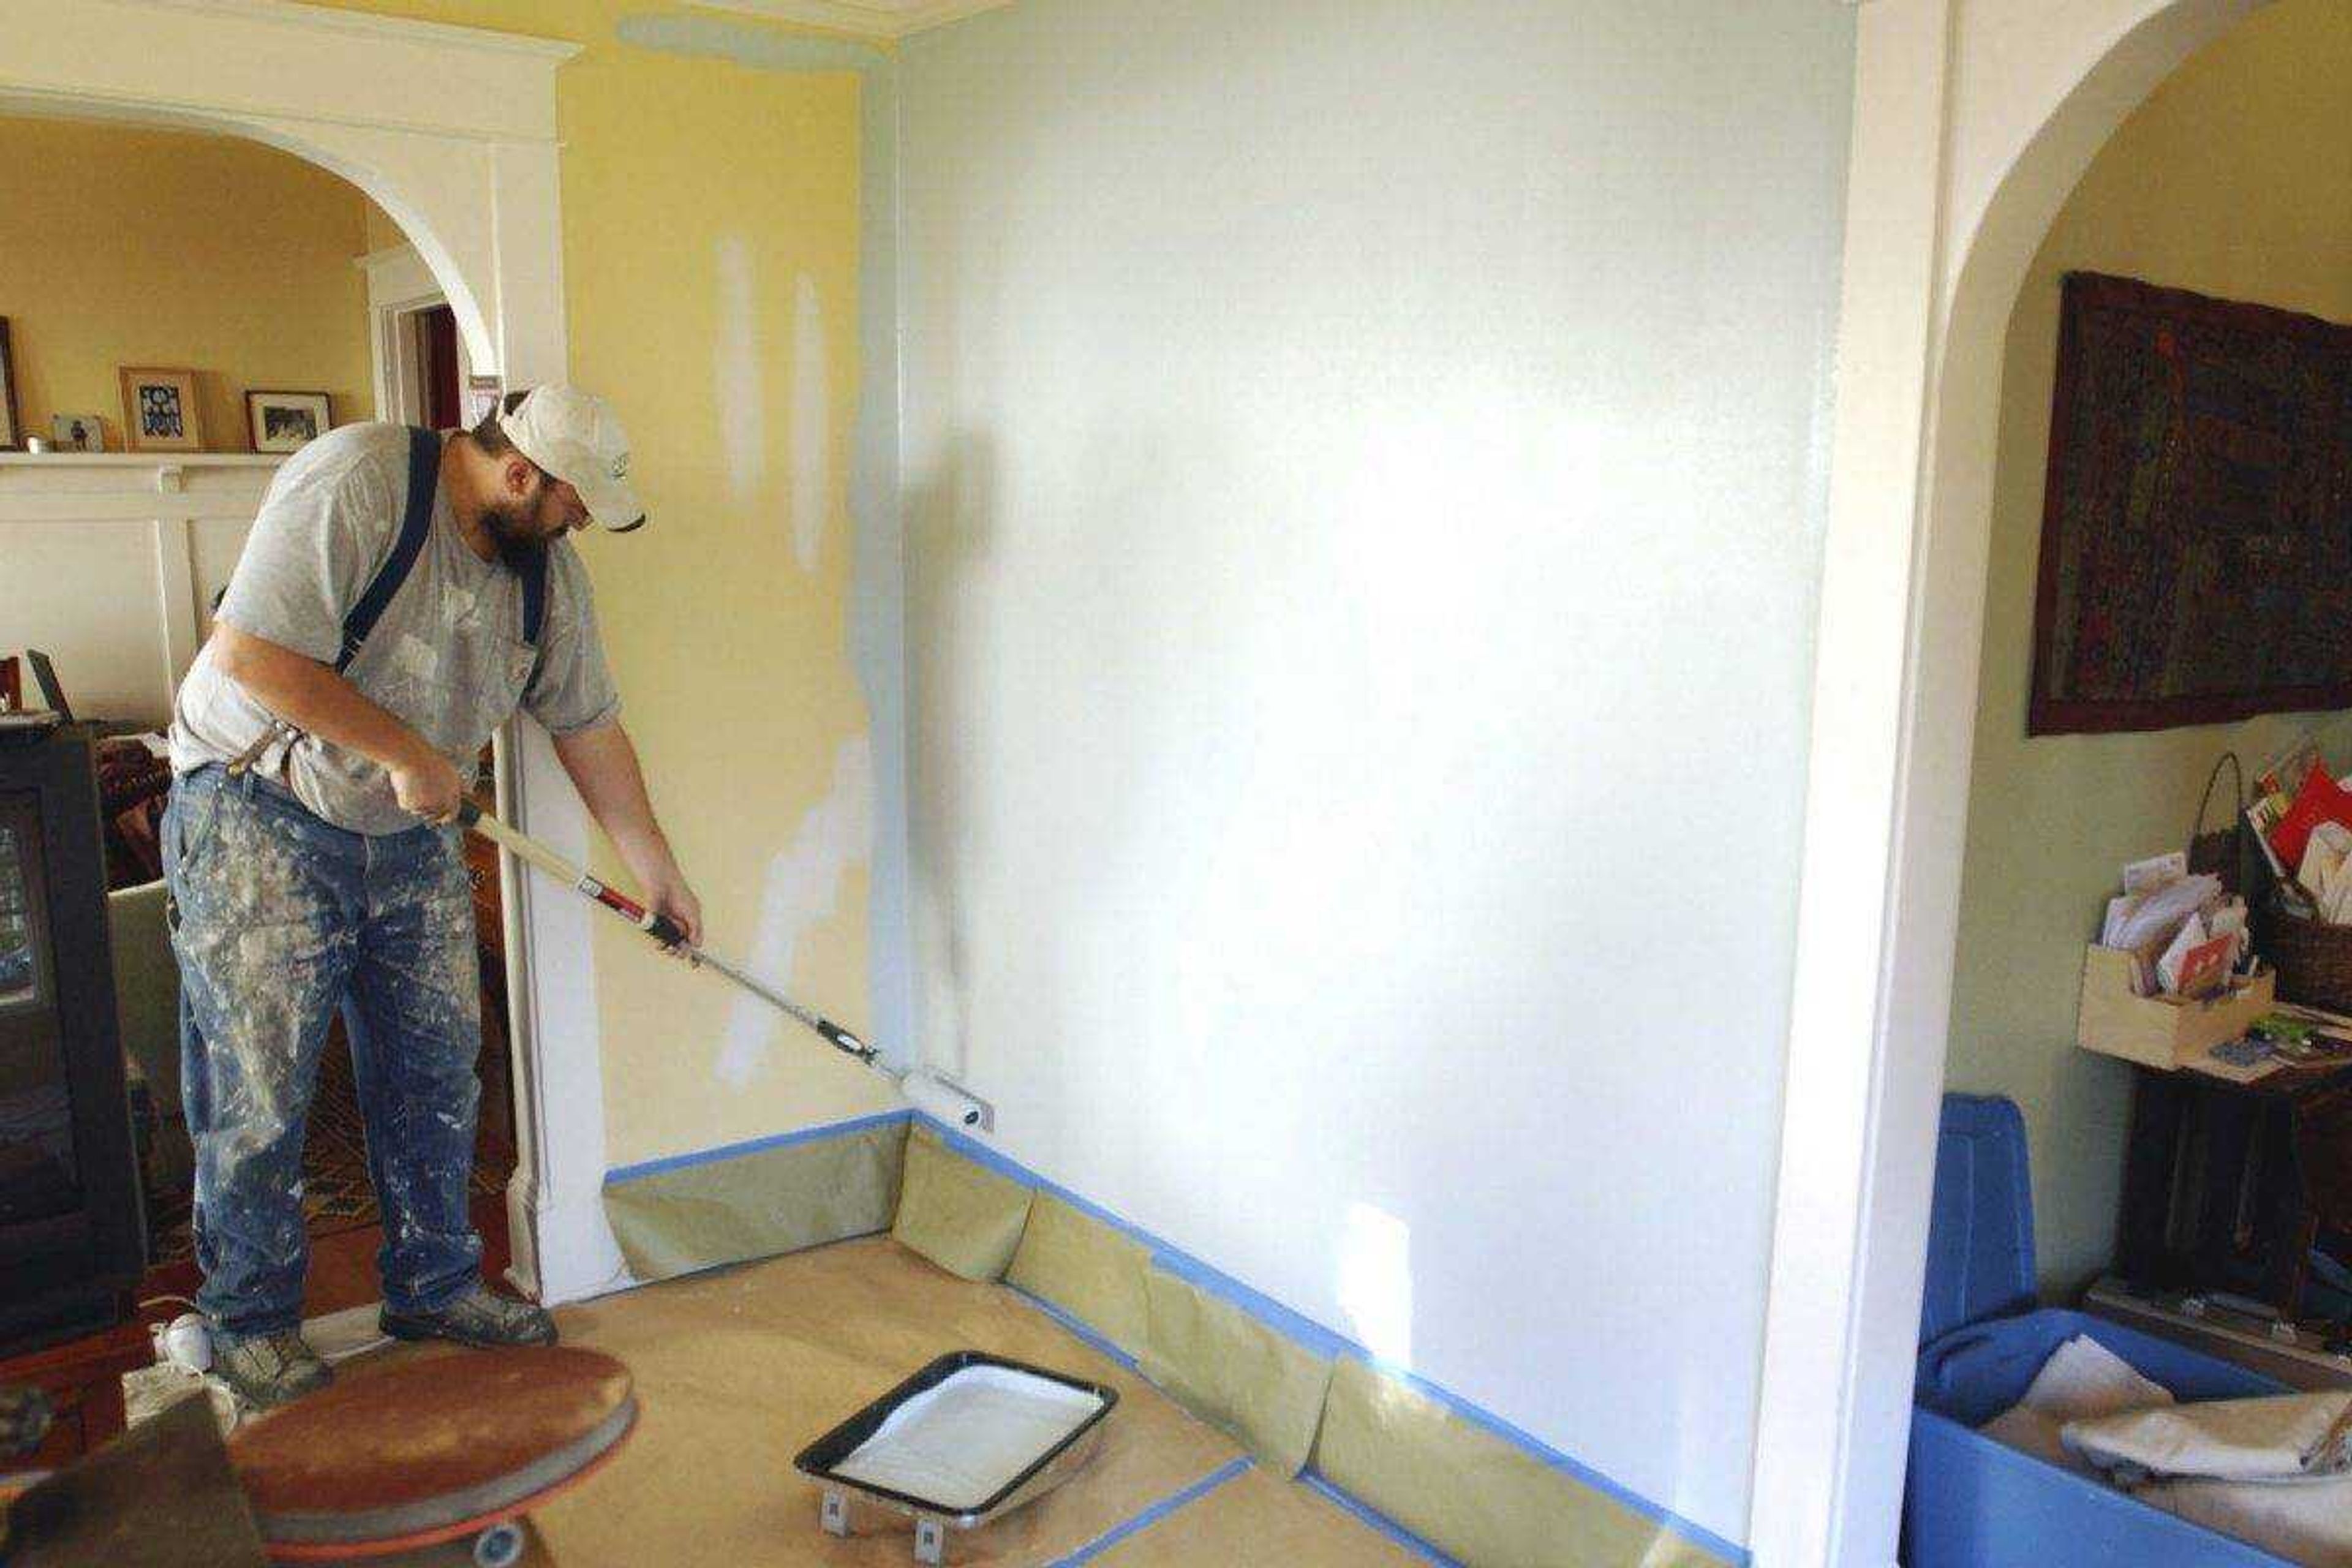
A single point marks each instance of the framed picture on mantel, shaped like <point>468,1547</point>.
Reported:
<point>285,421</point>
<point>159,411</point>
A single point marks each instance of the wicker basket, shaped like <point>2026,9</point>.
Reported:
<point>2313,958</point>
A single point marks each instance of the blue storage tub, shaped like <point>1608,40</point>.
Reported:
<point>1970,1502</point>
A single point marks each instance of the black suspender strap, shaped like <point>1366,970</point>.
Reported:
<point>424,483</point>
<point>416,526</point>
<point>534,595</point>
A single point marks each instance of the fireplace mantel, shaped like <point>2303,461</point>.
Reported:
<point>109,561</point>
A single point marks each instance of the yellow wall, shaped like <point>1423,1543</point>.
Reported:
<point>710,215</point>
<point>382,233</point>
<point>2235,179</point>
<point>124,247</point>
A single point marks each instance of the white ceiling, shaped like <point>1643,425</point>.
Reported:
<point>872,19</point>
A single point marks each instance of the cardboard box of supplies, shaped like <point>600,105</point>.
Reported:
<point>2164,1032</point>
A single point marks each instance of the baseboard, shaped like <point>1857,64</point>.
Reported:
<point>572,1255</point>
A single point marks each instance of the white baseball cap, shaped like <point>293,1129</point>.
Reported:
<point>575,436</point>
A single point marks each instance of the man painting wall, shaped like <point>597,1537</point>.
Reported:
<point>402,593</point>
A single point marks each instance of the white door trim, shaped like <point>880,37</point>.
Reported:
<point>1974,119</point>
<point>398,284</point>
<point>451,130</point>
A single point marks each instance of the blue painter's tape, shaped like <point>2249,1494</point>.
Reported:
<point>1369,1515</point>
<point>1329,1342</point>
<point>1076,1324</point>
<point>1153,1515</point>
<point>749,44</point>
<point>757,1146</point>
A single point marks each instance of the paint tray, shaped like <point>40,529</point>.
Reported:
<point>966,1440</point>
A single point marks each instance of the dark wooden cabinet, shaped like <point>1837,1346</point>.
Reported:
<point>2229,1187</point>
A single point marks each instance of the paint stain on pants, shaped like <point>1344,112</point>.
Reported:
<point>282,920</point>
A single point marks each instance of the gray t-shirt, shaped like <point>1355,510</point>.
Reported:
<point>447,658</point>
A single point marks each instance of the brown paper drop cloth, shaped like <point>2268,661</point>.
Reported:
<point>1257,1518</point>
<point>737,1371</point>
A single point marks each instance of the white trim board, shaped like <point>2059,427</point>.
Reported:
<point>451,130</point>
<point>366,25</point>
<point>1973,122</point>
<point>162,462</point>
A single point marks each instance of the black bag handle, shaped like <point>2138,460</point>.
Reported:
<point>2237,818</point>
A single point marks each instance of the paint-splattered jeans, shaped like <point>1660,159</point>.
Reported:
<point>280,920</point>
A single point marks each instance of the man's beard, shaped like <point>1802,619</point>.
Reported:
<point>517,545</point>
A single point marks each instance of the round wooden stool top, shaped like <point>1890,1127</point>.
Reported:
<point>431,1443</point>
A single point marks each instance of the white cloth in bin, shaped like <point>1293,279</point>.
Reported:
<point>2276,1472</point>
<point>960,1443</point>
<point>2082,1380</point>
<point>2286,1437</point>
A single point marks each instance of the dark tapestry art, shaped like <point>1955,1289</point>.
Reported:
<point>2197,523</point>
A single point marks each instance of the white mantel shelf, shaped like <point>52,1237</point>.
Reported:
<point>60,487</point>
<point>141,459</point>
<point>117,486</point>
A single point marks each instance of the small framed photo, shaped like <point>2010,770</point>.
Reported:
<point>78,432</point>
<point>285,421</point>
<point>10,434</point>
<point>159,411</point>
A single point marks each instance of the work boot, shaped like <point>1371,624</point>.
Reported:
<point>473,1317</point>
<point>268,1369</point>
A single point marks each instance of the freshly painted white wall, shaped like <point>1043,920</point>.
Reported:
<point>1364,501</point>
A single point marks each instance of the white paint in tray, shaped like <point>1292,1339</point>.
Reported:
<point>960,1443</point>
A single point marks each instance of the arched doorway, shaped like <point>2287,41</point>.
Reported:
<point>1973,122</point>
<point>451,133</point>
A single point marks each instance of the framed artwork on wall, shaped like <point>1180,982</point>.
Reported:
<point>10,434</point>
<point>285,421</point>
<point>78,432</point>
<point>2197,522</point>
<point>159,411</point>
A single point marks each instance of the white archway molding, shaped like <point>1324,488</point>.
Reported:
<point>1974,121</point>
<point>392,167</point>
<point>452,132</point>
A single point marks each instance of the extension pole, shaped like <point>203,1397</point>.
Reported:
<point>661,927</point>
<point>933,1095</point>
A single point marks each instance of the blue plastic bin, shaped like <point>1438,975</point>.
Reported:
<point>1970,1502</point>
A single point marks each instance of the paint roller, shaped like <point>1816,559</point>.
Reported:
<point>929,1093</point>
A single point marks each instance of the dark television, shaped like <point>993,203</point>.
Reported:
<point>72,1237</point>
